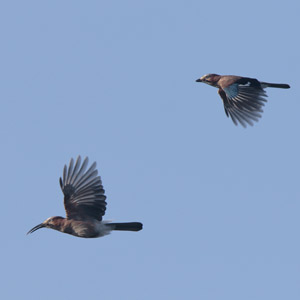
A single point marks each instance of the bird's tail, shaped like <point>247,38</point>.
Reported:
<point>130,226</point>
<point>275,85</point>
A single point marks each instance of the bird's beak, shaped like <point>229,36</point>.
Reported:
<point>199,80</point>
<point>36,228</point>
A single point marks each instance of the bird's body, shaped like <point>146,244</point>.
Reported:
<point>243,97</point>
<point>85,204</point>
<point>86,229</point>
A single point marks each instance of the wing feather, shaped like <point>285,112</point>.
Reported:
<point>84,196</point>
<point>243,101</point>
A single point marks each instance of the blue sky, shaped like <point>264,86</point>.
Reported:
<point>115,81</point>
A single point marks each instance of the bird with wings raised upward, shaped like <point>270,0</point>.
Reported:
<point>85,204</point>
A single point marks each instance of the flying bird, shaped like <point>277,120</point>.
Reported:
<point>85,205</point>
<point>243,97</point>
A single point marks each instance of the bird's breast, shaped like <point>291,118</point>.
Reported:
<point>85,229</point>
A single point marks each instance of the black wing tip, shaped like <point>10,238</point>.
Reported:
<point>242,118</point>
<point>61,183</point>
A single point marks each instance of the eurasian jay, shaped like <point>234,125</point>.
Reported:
<point>243,97</point>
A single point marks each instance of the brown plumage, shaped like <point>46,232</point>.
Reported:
<point>243,97</point>
<point>85,204</point>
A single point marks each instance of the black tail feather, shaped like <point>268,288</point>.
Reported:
<point>276,85</point>
<point>130,226</point>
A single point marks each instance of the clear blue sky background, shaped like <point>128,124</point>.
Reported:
<point>115,81</point>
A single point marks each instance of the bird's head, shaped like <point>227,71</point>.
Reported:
<point>211,79</point>
<point>52,222</point>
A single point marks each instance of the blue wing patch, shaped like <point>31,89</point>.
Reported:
<point>232,90</point>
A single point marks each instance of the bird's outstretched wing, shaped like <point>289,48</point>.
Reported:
<point>243,100</point>
<point>83,191</point>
